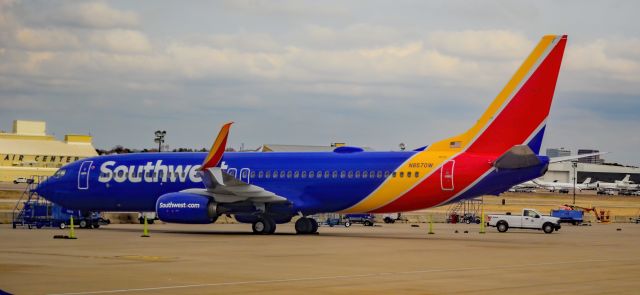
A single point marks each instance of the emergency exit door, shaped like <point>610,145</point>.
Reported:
<point>83,175</point>
<point>446,175</point>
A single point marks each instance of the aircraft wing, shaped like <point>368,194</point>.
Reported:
<point>224,187</point>
<point>569,158</point>
<point>229,189</point>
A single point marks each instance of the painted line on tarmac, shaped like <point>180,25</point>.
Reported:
<point>356,276</point>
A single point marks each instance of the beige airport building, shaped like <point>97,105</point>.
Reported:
<point>28,151</point>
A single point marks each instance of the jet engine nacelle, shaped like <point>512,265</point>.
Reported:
<point>186,208</point>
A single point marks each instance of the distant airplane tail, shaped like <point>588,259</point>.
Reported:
<point>586,181</point>
<point>626,178</point>
<point>518,115</point>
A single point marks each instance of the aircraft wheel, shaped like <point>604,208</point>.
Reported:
<point>272,225</point>
<point>314,226</point>
<point>263,226</point>
<point>304,226</point>
<point>83,224</point>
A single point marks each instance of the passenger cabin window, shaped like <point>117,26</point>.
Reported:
<point>260,174</point>
<point>364,174</point>
<point>296,174</point>
<point>312,174</point>
<point>289,174</point>
<point>401,174</point>
<point>334,174</point>
<point>282,174</point>
<point>394,174</point>
<point>343,174</point>
<point>326,174</point>
<point>275,174</point>
<point>350,174</point>
<point>386,174</point>
<point>358,174</point>
<point>416,174</point>
<point>303,174</point>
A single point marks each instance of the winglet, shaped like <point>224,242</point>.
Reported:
<point>218,147</point>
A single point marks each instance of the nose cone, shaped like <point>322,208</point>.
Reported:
<point>44,189</point>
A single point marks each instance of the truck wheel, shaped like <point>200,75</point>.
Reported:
<point>62,225</point>
<point>368,223</point>
<point>468,221</point>
<point>503,226</point>
<point>96,225</point>
<point>83,224</point>
<point>547,228</point>
<point>347,224</point>
<point>388,220</point>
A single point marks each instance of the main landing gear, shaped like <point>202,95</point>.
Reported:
<point>305,226</point>
<point>265,226</point>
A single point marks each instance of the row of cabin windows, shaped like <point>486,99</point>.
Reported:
<point>160,174</point>
<point>295,174</point>
<point>330,174</point>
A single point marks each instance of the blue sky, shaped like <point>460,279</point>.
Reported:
<point>370,73</point>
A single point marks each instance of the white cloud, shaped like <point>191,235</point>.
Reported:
<point>494,44</point>
<point>124,41</point>
<point>46,39</point>
<point>93,15</point>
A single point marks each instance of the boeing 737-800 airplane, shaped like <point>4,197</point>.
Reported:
<point>266,189</point>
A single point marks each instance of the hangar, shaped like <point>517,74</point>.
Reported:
<point>29,151</point>
<point>564,171</point>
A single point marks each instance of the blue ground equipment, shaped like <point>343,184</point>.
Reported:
<point>38,212</point>
<point>574,217</point>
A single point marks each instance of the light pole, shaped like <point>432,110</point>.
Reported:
<point>574,164</point>
<point>160,138</point>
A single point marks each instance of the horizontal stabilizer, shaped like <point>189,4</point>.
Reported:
<point>569,158</point>
<point>519,156</point>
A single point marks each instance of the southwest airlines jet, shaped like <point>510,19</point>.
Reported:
<point>499,151</point>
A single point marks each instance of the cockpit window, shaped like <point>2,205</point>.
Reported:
<point>59,173</point>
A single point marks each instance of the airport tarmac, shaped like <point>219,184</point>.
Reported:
<point>387,259</point>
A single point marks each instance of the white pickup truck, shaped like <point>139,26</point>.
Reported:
<point>530,219</point>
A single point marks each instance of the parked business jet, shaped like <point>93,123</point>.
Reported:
<point>264,189</point>
<point>624,184</point>
<point>556,185</point>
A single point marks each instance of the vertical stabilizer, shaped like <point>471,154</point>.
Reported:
<point>518,114</point>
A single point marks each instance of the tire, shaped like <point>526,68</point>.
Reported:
<point>96,225</point>
<point>271,224</point>
<point>259,227</point>
<point>368,223</point>
<point>502,226</point>
<point>467,221</point>
<point>303,226</point>
<point>150,221</point>
<point>141,220</point>
<point>388,220</point>
<point>347,224</point>
<point>62,225</point>
<point>547,228</point>
<point>83,224</point>
<point>314,226</point>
